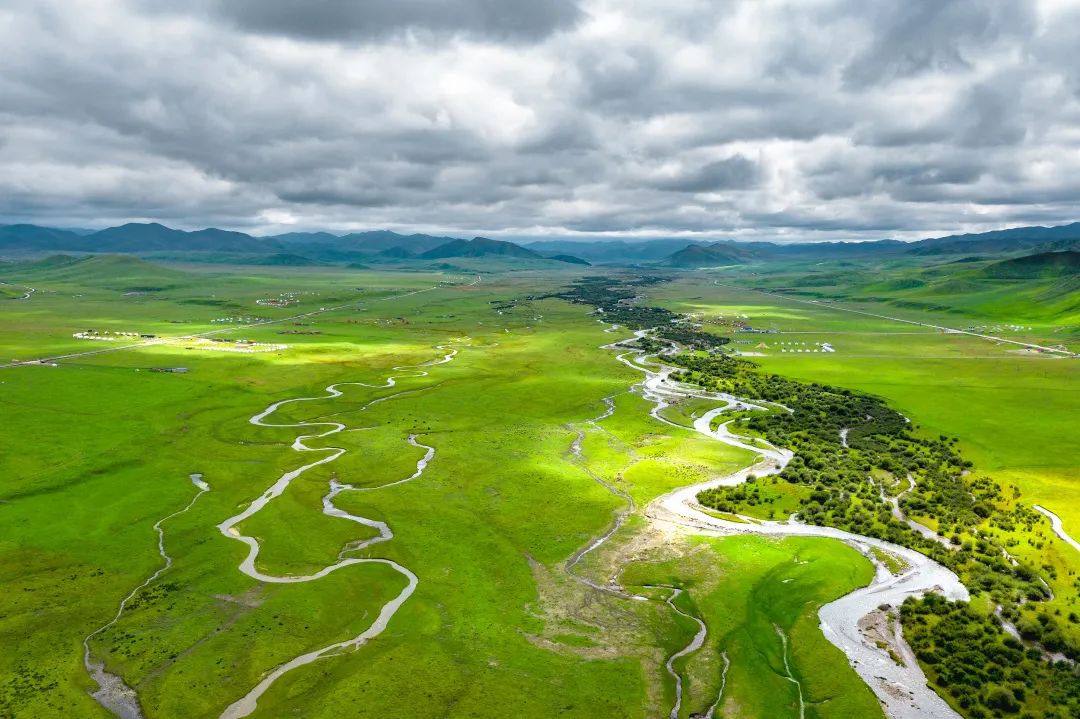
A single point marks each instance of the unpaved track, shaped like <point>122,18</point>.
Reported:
<point>948,330</point>
<point>26,295</point>
<point>901,689</point>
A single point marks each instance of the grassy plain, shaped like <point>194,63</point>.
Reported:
<point>99,447</point>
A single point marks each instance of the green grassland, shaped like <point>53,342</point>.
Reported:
<point>98,448</point>
<point>1041,305</point>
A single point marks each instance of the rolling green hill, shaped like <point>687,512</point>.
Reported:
<point>148,237</point>
<point>32,237</point>
<point>707,256</point>
<point>479,247</point>
<point>1038,266</point>
<point>108,271</point>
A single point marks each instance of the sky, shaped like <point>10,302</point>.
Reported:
<point>751,119</point>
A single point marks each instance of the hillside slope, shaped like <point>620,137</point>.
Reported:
<point>707,256</point>
<point>108,271</point>
<point>479,247</point>
<point>1037,266</point>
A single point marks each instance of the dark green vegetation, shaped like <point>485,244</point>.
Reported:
<point>570,258</point>
<point>985,673</point>
<point>1007,411</point>
<point>849,487</point>
<point>852,454</point>
<point>1046,264</point>
<point>615,303</point>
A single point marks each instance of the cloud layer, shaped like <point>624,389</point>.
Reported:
<point>735,118</point>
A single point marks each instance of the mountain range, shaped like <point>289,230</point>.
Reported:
<point>295,248</point>
<point>387,247</point>
<point>997,242</point>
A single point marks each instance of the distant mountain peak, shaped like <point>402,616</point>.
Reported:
<point>479,247</point>
<point>705,256</point>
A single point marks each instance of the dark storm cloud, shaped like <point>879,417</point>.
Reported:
<point>992,115</point>
<point>732,173</point>
<point>895,175</point>
<point>618,76</point>
<point>838,118</point>
<point>366,19</point>
<point>909,37</point>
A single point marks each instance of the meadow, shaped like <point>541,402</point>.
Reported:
<point>99,447</point>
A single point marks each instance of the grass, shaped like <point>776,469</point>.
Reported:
<point>743,588</point>
<point>100,448</point>
<point>89,504</point>
<point>97,449</point>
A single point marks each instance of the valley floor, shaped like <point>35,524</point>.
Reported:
<point>435,501</point>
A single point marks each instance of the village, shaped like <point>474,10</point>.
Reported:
<point>109,336</point>
<point>285,299</point>
<point>216,344</point>
<point>995,329</point>
<point>239,320</point>
<point>740,324</point>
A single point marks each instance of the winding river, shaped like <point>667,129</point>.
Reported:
<point>122,701</point>
<point>247,704</point>
<point>899,685</point>
<point>112,692</point>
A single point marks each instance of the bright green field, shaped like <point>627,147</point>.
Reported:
<point>97,449</point>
